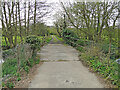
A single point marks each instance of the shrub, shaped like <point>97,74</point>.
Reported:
<point>7,53</point>
<point>34,42</point>
<point>80,42</point>
<point>80,49</point>
<point>68,34</point>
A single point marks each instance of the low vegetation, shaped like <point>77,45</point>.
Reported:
<point>95,55</point>
<point>21,59</point>
<point>90,27</point>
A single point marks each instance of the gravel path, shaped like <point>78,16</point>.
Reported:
<point>62,69</point>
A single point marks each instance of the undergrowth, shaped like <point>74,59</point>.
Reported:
<point>96,56</point>
<point>18,62</point>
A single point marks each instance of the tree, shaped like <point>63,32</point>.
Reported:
<point>90,17</point>
<point>20,27</point>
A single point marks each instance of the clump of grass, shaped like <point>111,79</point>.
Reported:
<point>62,60</point>
<point>61,39</point>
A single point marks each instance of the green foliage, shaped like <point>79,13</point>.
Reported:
<point>31,62</point>
<point>7,53</point>
<point>48,39</point>
<point>34,41</point>
<point>52,31</point>
<point>80,42</point>
<point>4,45</point>
<point>3,84</point>
<point>37,61</point>
<point>9,67</point>
<point>95,55</point>
<point>61,39</point>
<point>69,33</point>
<point>26,68</point>
<point>70,37</point>
<point>18,78</point>
<point>40,30</point>
<point>96,59</point>
<point>80,49</point>
<point>10,84</point>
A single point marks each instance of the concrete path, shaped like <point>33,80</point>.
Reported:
<point>62,69</point>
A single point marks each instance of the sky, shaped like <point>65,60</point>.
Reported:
<point>56,7</point>
<point>50,17</point>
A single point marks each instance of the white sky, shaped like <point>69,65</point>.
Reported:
<point>56,7</point>
<point>0,25</point>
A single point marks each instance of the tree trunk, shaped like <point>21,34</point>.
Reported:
<point>15,41</point>
<point>3,29</point>
<point>20,22</point>
<point>35,17</point>
<point>28,19</point>
<point>25,18</point>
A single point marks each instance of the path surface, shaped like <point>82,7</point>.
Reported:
<point>62,69</point>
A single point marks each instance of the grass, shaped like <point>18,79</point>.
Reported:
<point>48,39</point>
<point>0,75</point>
<point>96,57</point>
<point>10,67</point>
<point>18,40</point>
<point>62,60</point>
<point>54,38</point>
<point>61,39</point>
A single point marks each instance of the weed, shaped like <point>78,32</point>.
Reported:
<point>10,85</point>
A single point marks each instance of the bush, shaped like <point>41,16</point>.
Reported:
<point>34,42</point>
<point>70,37</point>
<point>7,53</point>
<point>68,34</point>
<point>80,42</point>
<point>80,49</point>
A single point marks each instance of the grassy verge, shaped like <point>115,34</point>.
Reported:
<point>59,38</point>
<point>13,67</point>
<point>10,70</point>
<point>96,56</point>
<point>98,62</point>
<point>18,40</point>
<point>48,39</point>
<point>0,75</point>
